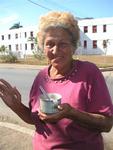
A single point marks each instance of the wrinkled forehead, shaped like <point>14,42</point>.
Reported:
<point>57,34</point>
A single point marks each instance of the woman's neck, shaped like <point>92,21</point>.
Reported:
<point>60,72</point>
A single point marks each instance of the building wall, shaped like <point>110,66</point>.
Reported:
<point>18,41</point>
<point>99,36</point>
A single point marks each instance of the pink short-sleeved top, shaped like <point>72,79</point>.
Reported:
<point>85,89</point>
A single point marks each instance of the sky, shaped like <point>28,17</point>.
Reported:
<point>28,12</point>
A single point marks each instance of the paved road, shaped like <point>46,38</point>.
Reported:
<point>21,78</point>
<point>109,80</point>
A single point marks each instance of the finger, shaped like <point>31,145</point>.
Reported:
<point>6,92</point>
<point>3,88</point>
<point>60,107</point>
<point>1,95</point>
<point>42,114</point>
<point>7,88</point>
<point>17,93</point>
<point>5,83</point>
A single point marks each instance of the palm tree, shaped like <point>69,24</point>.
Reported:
<point>105,45</point>
<point>3,49</point>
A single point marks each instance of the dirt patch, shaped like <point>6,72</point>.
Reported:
<point>14,140</point>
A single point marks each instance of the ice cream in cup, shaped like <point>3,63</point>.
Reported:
<point>49,105</point>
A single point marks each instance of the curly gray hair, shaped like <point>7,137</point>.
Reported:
<point>64,20</point>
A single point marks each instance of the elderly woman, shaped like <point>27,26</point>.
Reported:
<point>86,109</point>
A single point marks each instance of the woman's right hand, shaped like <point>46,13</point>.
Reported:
<point>10,95</point>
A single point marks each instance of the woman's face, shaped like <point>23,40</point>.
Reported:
<point>58,47</point>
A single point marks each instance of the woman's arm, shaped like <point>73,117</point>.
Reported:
<point>90,121</point>
<point>23,112</point>
<point>93,121</point>
<point>12,98</point>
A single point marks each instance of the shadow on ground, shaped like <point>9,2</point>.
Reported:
<point>14,140</point>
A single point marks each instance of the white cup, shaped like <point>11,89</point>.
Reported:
<point>49,106</point>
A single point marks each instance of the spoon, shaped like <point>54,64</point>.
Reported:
<point>44,92</point>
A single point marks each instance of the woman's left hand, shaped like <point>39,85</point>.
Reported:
<point>64,110</point>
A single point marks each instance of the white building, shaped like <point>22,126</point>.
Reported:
<point>96,37</point>
<point>17,40</point>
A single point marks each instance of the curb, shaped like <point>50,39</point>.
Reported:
<point>25,66</point>
<point>106,69</point>
<point>21,66</point>
<point>19,128</point>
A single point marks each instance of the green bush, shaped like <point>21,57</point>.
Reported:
<point>10,58</point>
<point>7,55</point>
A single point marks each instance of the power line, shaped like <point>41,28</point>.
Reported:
<point>39,5</point>
<point>67,9</point>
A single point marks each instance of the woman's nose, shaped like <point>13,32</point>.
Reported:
<point>55,49</point>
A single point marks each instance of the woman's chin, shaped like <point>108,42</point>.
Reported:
<point>57,62</point>
<point>57,65</point>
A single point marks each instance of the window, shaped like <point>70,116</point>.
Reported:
<point>94,29</point>
<point>85,44</point>
<point>16,36</point>
<point>85,29</point>
<point>17,48</point>
<point>25,46</point>
<point>94,43</point>
<point>104,28</point>
<point>2,37</point>
<point>31,34</point>
<point>9,36</point>
<point>25,34</point>
<point>32,46</point>
<point>9,47</point>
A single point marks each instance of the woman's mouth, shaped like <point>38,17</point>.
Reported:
<point>57,58</point>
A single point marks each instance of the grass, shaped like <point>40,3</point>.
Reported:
<point>100,61</point>
<point>33,61</point>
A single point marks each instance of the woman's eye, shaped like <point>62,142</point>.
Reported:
<point>63,45</point>
<point>49,45</point>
